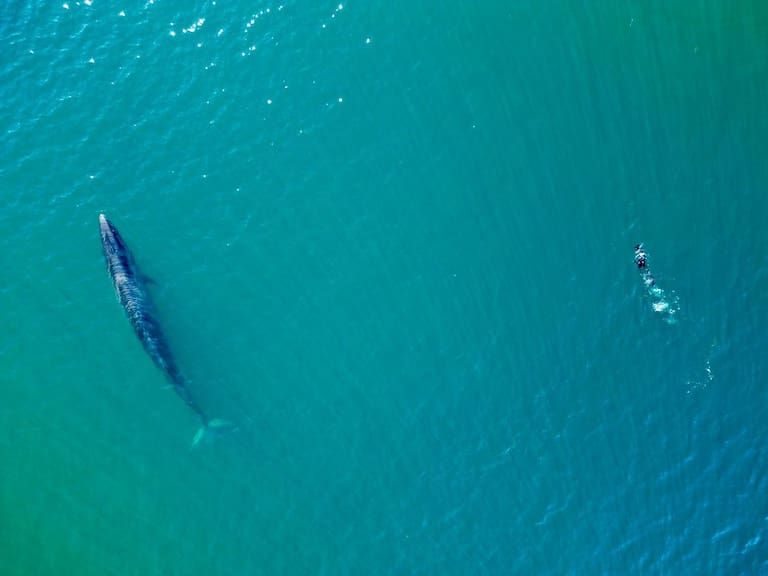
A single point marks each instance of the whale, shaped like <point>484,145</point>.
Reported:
<point>131,288</point>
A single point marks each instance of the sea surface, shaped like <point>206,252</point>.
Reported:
<point>393,242</point>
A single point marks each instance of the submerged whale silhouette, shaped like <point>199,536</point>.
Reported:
<point>131,287</point>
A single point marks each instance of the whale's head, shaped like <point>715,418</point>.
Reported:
<point>110,237</point>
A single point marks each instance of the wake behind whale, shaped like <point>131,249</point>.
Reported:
<point>132,293</point>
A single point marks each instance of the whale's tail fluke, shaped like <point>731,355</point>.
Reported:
<point>211,429</point>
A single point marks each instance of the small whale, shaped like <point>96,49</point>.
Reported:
<point>131,287</point>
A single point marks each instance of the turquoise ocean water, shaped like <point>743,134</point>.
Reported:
<point>394,243</point>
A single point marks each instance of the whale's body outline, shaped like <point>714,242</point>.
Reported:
<point>132,293</point>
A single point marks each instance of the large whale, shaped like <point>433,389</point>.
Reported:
<point>131,287</point>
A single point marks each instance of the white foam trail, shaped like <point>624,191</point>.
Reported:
<point>661,303</point>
